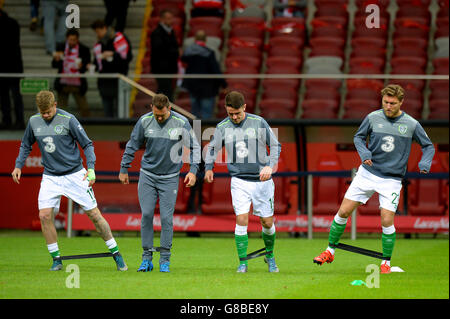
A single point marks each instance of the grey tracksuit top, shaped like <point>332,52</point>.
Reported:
<point>246,146</point>
<point>57,140</point>
<point>163,145</point>
<point>390,142</point>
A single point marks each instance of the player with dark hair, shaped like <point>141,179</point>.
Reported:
<point>164,134</point>
<point>384,161</point>
<point>246,137</point>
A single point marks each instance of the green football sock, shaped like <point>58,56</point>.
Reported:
<point>241,245</point>
<point>269,242</point>
<point>388,242</point>
<point>336,231</point>
<point>114,249</point>
<point>55,254</point>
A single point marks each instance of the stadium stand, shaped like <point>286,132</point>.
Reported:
<point>427,196</point>
<point>328,191</point>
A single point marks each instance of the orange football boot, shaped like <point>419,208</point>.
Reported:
<point>385,269</point>
<point>326,256</point>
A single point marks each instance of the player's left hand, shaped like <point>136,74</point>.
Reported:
<point>90,174</point>
<point>190,179</point>
<point>265,173</point>
<point>422,171</point>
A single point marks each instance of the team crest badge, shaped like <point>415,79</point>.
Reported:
<point>173,133</point>
<point>59,129</point>
<point>402,128</point>
<point>250,132</point>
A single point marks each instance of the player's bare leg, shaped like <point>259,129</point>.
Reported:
<point>387,239</point>
<point>268,235</point>
<point>51,237</point>
<point>100,223</point>
<point>336,230</point>
<point>241,239</point>
<point>102,227</point>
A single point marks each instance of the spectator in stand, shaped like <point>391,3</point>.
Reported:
<point>54,10</point>
<point>34,14</point>
<point>202,60</point>
<point>112,54</point>
<point>10,62</point>
<point>117,9</point>
<point>164,53</point>
<point>289,8</point>
<point>202,8</point>
<point>72,57</point>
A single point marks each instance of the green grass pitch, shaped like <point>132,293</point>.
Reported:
<point>204,268</point>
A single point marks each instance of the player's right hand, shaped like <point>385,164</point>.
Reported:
<point>123,177</point>
<point>368,162</point>
<point>16,173</point>
<point>209,176</point>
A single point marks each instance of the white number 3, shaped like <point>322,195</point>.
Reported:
<point>389,145</point>
<point>50,147</point>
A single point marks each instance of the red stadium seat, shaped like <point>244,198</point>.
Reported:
<point>273,62</point>
<point>242,61</point>
<point>361,29</point>
<point>412,84</point>
<point>293,26</point>
<point>331,8</point>
<point>286,41</point>
<point>328,191</point>
<point>413,107</point>
<point>246,42</point>
<point>426,196</point>
<point>408,65</point>
<point>377,85</point>
<point>440,65</point>
<point>362,93</point>
<point>277,113</point>
<point>278,104</point>
<point>360,108</point>
<point>410,47</point>
<point>280,92</point>
<point>439,115</point>
<point>287,83</point>
<point>327,42</point>
<point>438,85</point>
<point>319,114</point>
<point>253,21</point>
<point>244,51</point>
<point>242,30</point>
<point>367,62</point>
<point>284,51</point>
<point>408,10</point>
<point>328,31</point>
<point>329,93</point>
<point>320,104</point>
<point>325,83</point>
<point>414,27</point>
<point>369,47</point>
<point>438,104</point>
<point>242,83</point>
